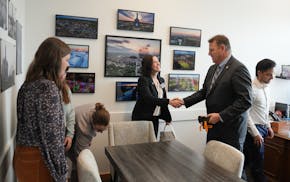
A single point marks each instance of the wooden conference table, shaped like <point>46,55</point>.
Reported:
<point>164,162</point>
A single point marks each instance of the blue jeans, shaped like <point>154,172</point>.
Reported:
<point>254,155</point>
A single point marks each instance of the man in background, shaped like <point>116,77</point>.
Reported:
<point>258,121</point>
<point>227,90</point>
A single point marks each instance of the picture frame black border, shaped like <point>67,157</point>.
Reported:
<point>88,55</point>
<point>174,52</point>
<point>118,28</point>
<point>97,23</point>
<point>84,73</point>
<point>283,108</point>
<point>4,10</point>
<point>183,74</point>
<point>12,10</point>
<point>170,36</point>
<point>19,48</point>
<point>141,38</point>
<point>283,70</point>
<point>7,64</point>
<point>116,95</point>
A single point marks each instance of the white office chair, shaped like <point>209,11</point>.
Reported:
<point>130,132</point>
<point>225,156</point>
<point>87,167</point>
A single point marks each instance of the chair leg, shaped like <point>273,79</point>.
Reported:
<point>74,176</point>
<point>115,176</point>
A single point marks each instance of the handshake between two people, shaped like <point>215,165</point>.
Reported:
<point>176,102</point>
<point>211,118</point>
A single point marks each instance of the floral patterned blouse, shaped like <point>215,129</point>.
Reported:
<point>41,124</point>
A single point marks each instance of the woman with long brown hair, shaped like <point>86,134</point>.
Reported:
<point>152,102</point>
<point>40,153</point>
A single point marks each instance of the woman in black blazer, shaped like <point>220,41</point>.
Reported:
<point>152,102</point>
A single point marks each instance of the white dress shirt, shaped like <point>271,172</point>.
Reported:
<point>157,110</point>
<point>259,112</point>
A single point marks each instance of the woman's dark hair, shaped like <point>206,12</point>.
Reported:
<point>47,61</point>
<point>147,62</point>
<point>65,93</point>
<point>101,116</point>
<point>264,65</point>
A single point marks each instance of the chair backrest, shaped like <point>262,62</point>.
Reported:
<point>87,167</point>
<point>131,132</point>
<point>225,156</point>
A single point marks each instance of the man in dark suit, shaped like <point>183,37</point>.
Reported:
<point>227,91</point>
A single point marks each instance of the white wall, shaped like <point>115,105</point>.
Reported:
<point>257,29</point>
<point>8,105</point>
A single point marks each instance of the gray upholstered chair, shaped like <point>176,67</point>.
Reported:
<point>87,167</point>
<point>225,156</point>
<point>130,132</point>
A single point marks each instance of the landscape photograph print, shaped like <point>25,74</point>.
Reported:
<point>135,20</point>
<point>81,82</point>
<point>123,55</point>
<point>8,64</point>
<point>183,60</point>
<point>11,20</point>
<point>126,91</point>
<point>75,26</point>
<point>3,14</point>
<point>183,82</point>
<point>185,36</point>
<point>285,71</point>
<point>79,56</point>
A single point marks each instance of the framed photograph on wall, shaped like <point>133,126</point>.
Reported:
<point>126,91</point>
<point>79,56</point>
<point>123,55</point>
<point>135,20</point>
<point>75,26</point>
<point>3,14</point>
<point>18,48</point>
<point>281,110</point>
<point>183,60</point>
<point>185,36</point>
<point>11,20</point>
<point>8,64</point>
<point>285,73</point>
<point>81,82</point>
<point>183,82</point>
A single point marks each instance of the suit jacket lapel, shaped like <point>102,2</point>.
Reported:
<point>226,68</point>
<point>152,87</point>
<point>211,73</point>
<point>162,85</point>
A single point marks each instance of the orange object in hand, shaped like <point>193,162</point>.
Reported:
<point>203,123</point>
<point>206,126</point>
